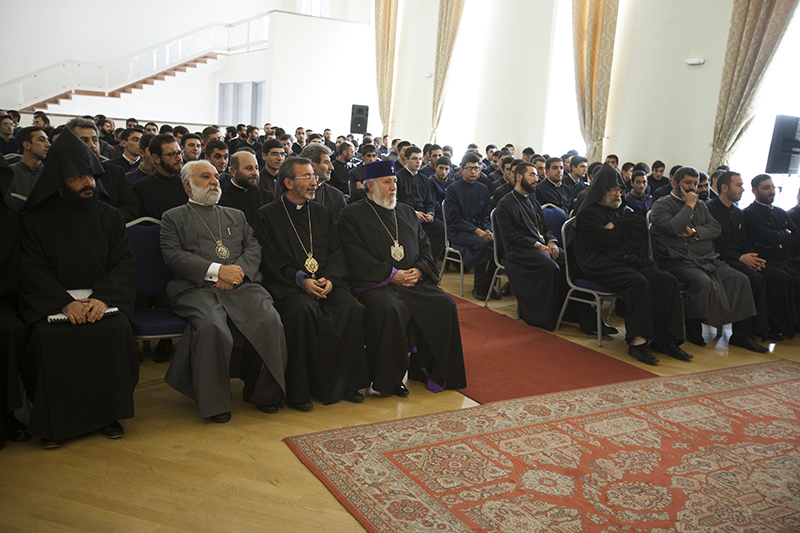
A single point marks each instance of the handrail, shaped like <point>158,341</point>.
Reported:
<point>65,76</point>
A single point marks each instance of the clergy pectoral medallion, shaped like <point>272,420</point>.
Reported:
<point>311,265</point>
<point>222,251</point>
<point>397,251</point>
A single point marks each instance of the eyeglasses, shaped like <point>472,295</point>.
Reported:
<point>471,169</point>
<point>415,159</point>
<point>306,178</point>
<point>172,155</point>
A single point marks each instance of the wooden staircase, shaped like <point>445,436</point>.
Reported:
<point>127,89</point>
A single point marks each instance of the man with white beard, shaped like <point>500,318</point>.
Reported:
<point>608,239</point>
<point>217,288</point>
<point>394,275</point>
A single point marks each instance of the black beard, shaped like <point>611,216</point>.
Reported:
<point>76,200</point>
<point>530,188</point>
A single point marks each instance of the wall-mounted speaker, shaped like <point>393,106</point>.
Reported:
<point>358,119</point>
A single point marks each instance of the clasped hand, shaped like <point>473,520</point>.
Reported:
<point>317,288</point>
<point>230,276</point>
<point>85,310</point>
<point>407,278</point>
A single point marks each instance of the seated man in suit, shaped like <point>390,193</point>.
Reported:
<point>217,288</point>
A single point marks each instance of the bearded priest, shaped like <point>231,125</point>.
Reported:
<point>217,288</point>
<point>391,269</point>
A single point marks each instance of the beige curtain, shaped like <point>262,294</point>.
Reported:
<point>756,29</point>
<point>449,20</point>
<point>385,39</point>
<point>594,26</point>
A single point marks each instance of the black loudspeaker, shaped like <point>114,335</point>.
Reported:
<point>358,118</point>
<point>784,150</point>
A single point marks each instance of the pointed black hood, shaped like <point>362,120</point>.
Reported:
<point>606,178</point>
<point>68,156</point>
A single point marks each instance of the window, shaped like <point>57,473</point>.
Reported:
<point>241,102</point>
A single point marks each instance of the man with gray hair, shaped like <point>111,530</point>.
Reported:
<point>327,194</point>
<point>217,288</point>
<point>118,192</point>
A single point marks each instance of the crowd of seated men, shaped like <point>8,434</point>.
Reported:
<point>307,265</point>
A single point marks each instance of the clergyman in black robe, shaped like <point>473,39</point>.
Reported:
<point>772,286</point>
<point>217,288</point>
<point>609,237</point>
<point>243,191</point>
<point>304,270</point>
<point>79,374</point>
<point>533,261</point>
<point>163,189</point>
<point>13,331</point>
<point>326,194</point>
<point>391,269</point>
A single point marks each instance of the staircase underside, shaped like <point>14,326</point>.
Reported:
<point>128,89</point>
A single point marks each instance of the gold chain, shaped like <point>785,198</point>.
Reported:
<point>396,231</point>
<point>221,250</point>
<point>311,264</point>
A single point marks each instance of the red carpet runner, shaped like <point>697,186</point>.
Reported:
<point>710,452</point>
<point>507,359</point>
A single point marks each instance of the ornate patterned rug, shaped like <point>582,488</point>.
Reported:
<point>710,452</point>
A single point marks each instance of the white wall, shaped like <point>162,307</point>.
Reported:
<point>49,31</point>
<point>318,68</point>
<point>660,107</point>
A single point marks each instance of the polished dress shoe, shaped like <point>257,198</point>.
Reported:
<point>400,390</point>
<point>302,406</point>
<point>505,290</point>
<point>774,336</point>
<point>672,350</point>
<point>112,431</point>
<point>748,343</point>
<point>607,330</point>
<point>51,444</point>
<point>642,354</point>
<point>479,295</point>
<point>495,295</point>
<point>696,339</point>
<point>221,418</point>
<point>269,409</point>
<point>353,396</point>
<point>164,350</point>
<point>15,429</point>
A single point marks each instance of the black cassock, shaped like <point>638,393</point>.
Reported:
<point>332,198</point>
<point>80,378</point>
<point>158,194</point>
<point>398,317</point>
<point>120,193</point>
<point>772,286</point>
<point>611,257</point>
<point>539,282</point>
<point>324,337</point>
<point>248,201</point>
<point>12,330</point>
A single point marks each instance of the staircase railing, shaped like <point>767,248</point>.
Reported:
<point>101,79</point>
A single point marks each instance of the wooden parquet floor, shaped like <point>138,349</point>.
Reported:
<point>175,472</point>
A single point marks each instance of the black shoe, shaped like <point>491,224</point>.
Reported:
<point>113,431</point>
<point>163,351</point>
<point>495,295</point>
<point>15,430</point>
<point>696,339</point>
<point>400,390</point>
<point>422,375</point>
<point>481,296</point>
<point>607,330</point>
<point>748,343</point>
<point>269,409</point>
<point>505,290</point>
<point>221,418</point>
<point>672,350</point>
<point>302,406</point>
<point>774,336</point>
<point>642,354</point>
<point>354,397</point>
<point>51,444</point>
